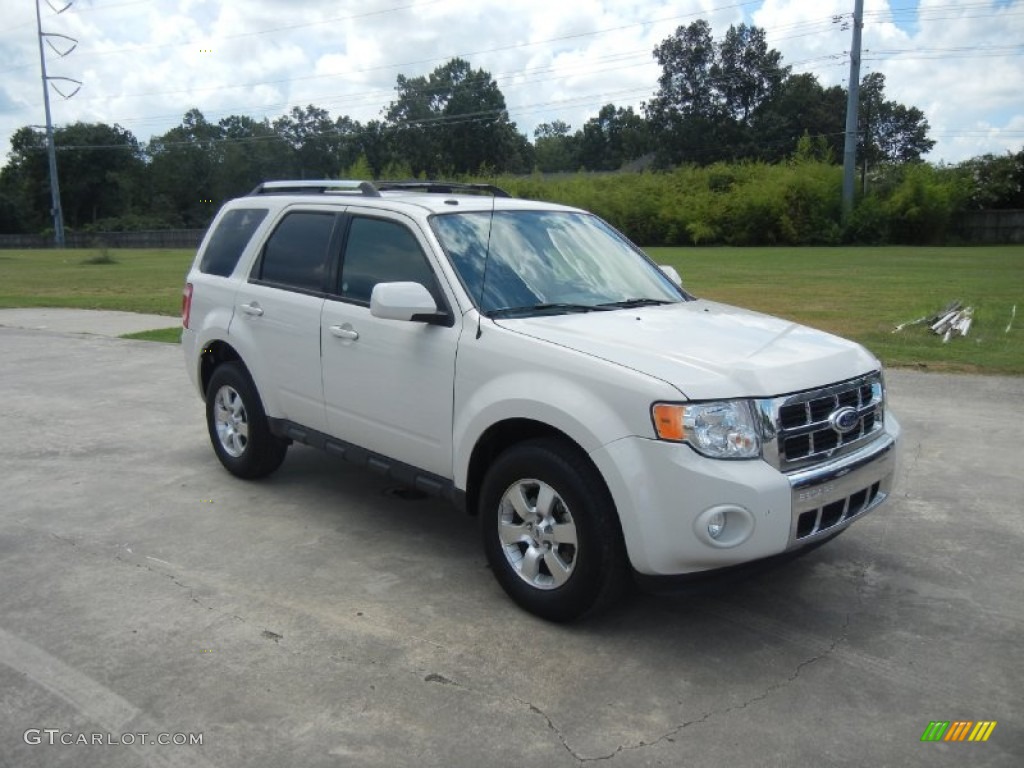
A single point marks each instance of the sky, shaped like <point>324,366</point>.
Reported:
<point>143,63</point>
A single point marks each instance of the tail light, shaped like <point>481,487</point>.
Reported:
<point>186,304</point>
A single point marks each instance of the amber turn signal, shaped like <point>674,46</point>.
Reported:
<point>668,421</point>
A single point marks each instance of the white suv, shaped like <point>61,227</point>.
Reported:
<point>527,362</point>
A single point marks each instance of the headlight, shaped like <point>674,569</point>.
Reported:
<point>725,430</point>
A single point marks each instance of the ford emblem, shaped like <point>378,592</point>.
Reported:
<point>844,420</point>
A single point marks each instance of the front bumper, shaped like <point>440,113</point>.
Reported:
<point>829,497</point>
<point>664,493</point>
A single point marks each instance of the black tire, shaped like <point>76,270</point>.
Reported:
<point>243,442</point>
<point>568,560</point>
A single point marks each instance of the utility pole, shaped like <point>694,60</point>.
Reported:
<point>853,96</point>
<point>55,209</point>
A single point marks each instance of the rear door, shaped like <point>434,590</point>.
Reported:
<point>388,384</point>
<point>279,309</point>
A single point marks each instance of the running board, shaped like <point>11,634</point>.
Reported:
<point>400,472</point>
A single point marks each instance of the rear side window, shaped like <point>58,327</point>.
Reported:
<point>295,256</point>
<point>229,240</point>
<point>380,251</point>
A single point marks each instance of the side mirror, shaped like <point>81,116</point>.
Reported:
<point>672,274</point>
<point>404,301</point>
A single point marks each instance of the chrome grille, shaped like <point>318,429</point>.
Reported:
<point>822,519</point>
<point>800,426</point>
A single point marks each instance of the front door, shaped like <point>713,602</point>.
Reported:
<point>387,383</point>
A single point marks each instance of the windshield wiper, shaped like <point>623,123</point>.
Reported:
<point>552,308</point>
<point>630,303</point>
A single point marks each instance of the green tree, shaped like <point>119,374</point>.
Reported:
<point>250,152</point>
<point>889,132</point>
<point>746,74</point>
<point>454,120</point>
<point>612,139</point>
<point>708,92</point>
<point>184,165</point>
<point>995,181</point>
<point>376,144</point>
<point>320,146</point>
<point>800,107</point>
<point>555,148</point>
<point>101,172</point>
<point>686,84</point>
<point>25,184</point>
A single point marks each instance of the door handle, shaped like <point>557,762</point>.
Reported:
<point>253,309</point>
<point>344,333</point>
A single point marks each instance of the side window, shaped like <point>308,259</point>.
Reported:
<point>380,251</point>
<point>229,240</point>
<point>295,255</point>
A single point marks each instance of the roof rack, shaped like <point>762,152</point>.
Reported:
<point>323,186</point>
<point>372,189</point>
<point>442,187</point>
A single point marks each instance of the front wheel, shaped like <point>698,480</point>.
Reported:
<point>238,426</point>
<point>550,530</point>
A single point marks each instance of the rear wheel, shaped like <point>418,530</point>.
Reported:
<point>551,532</point>
<point>238,426</point>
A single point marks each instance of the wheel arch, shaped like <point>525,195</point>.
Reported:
<point>215,353</point>
<point>591,582</point>
<point>499,437</point>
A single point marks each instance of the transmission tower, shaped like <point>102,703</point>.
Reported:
<point>69,44</point>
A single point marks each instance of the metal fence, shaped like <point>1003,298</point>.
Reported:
<point>993,227</point>
<point>158,238</point>
<point>983,227</point>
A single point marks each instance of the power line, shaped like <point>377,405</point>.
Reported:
<point>510,81</point>
<point>498,49</point>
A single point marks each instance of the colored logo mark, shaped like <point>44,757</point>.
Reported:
<point>958,730</point>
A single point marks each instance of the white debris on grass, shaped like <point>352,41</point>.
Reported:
<point>954,320</point>
<point>907,324</point>
<point>1013,314</point>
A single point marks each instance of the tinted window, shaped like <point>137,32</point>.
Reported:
<point>295,256</point>
<point>379,251</point>
<point>229,240</point>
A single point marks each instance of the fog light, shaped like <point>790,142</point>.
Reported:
<point>724,526</point>
<point>716,524</point>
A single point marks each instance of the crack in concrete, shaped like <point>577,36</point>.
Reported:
<point>580,758</point>
<point>433,677</point>
<point>910,467</point>
<point>668,736</point>
<point>174,580</point>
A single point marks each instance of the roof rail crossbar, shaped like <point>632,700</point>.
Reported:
<point>442,187</point>
<point>322,186</point>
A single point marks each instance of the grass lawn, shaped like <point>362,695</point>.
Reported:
<point>138,280</point>
<point>860,293</point>
<point>168,335</point>
<point>863,293</point>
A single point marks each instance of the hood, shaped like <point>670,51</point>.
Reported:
<point>708,351</point>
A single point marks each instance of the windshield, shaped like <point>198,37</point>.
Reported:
<point>548,261</point>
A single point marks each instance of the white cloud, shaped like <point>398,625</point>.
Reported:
<point>144,64</point>
<point>930,60</point>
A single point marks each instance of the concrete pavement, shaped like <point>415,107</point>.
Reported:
<point>94,322</point>
<point>319,619</point>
